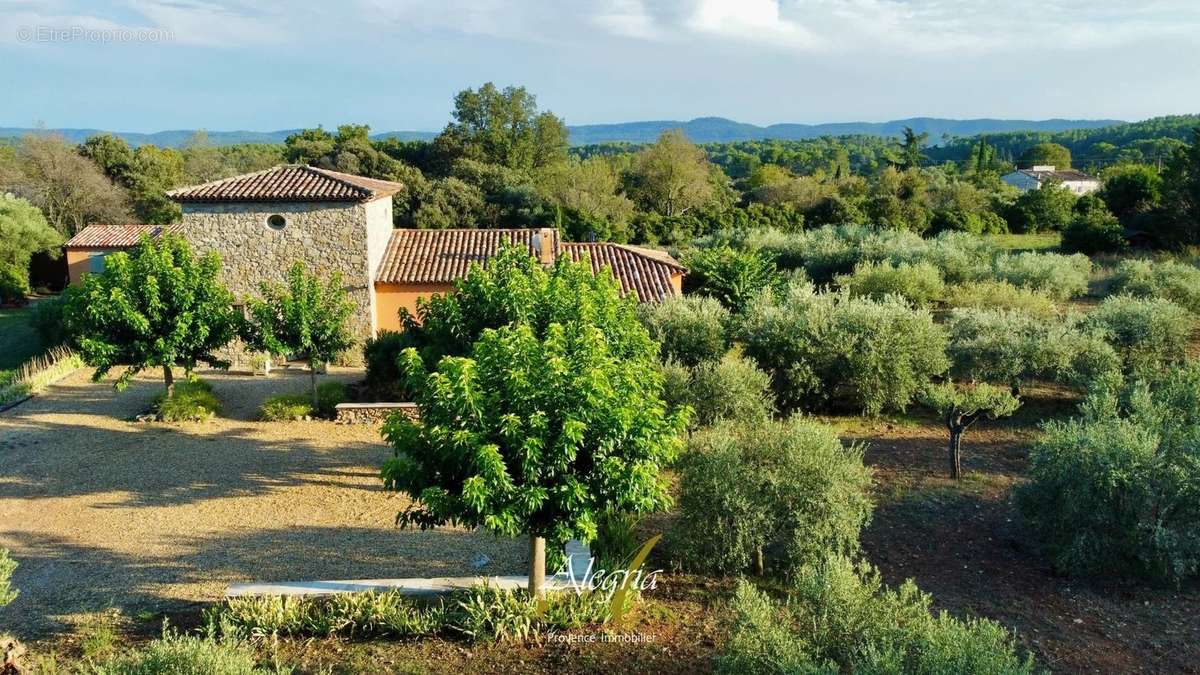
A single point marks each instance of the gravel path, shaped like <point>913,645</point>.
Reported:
<point>104,512</point>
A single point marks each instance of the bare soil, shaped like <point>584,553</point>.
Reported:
<point>102,511</point>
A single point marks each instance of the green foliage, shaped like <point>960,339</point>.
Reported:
<point>191,401</point>
<point>1148,333</point>
<point>672,176</point>
<point>382,353</point>
<point>1181,195</point>
<point>920,283</point>
<point>156,306</point>
<point>178,654</point>
<point>480,613</point>
<point>962,406</point>
<point>732,388</point>
<point>1000,295</point>
<point>1011,348</point>
<point>1174,281</point>
<point>731,276</point>
<point>288,407</point>
<point>504,127</point>
<point>14,285</point>
<point>1059,276</point>
<point>1048,208</point>
<point>7,567</point>
<point>1113,491</point>
<point>689,329</point>
<point>788,491</point>
<point>554,417</point>
<point>23,232</point>
<point>1045,154</point>
<point>823,348</point>
<point>48,320</point>
<point>1096,231</point>
<point>1131,189</point>
<point>841,618</point>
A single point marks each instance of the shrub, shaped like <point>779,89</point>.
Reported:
<point>1007,347</point>
<point>730,389</point>
<point>1146,333</point>
<point>1059,276</point>
<point>384,379</point>
<point>47,319</point>
<point>1177,282</point>
<point>959,256</point>
<point>689,329</point>
<point>731,276</point>
<point>774,496</point>
<point>187,655</point>
<point>1113,491</point>
<point>1096,231</point>
<point>919,283</point>
<point>841,618</point>
<point>287,407</point>
<point>7,567</point>
<point>192,401</point>
<point>14,285</point>
<point>1000,295</point>
<point>823,348</point>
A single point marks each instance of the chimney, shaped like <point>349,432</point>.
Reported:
<point>543,244</point>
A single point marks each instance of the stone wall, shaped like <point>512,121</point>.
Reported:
<point>373,413</point>
<point>325,236</point>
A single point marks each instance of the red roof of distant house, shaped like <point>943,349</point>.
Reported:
<point>645,272</point>
<point>441,256</point>
<point>289,183</point>
<point>116,236</point>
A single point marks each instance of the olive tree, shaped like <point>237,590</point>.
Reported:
<point>963,406</point>
<point>550,420</point>
<point>306,318</point>
<point>157,306</point>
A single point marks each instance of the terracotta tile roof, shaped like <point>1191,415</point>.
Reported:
<point>441,256</point>
<point>288,183</point>
<point>116,236</point>
<point>645,272</point>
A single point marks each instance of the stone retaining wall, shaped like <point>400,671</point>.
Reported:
<point>372,413</point>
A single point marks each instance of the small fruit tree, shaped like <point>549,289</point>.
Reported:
<point>962,406</point>
<point>554,417</point>
<point>306,318</point>
<point>156,306</point>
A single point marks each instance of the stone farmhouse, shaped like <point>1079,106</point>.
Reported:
<point>262,223</point>
<point>1031,179</point>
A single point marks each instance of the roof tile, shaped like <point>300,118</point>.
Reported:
<point>117,236</point>
<point>288,183</point>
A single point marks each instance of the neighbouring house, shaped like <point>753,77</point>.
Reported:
<point>1031,179</point>
<point>261,223</point>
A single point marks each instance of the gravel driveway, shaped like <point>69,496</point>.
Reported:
<point>105,512</point>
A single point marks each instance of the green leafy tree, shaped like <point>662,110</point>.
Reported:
<point>306,318</point>
<point>552,417</point>
<point>70,189</point>
<point>1131,189</point>
<point>911,147</point>
<point>672,176</point>
<point>1046,154</point>
<point>962,406</point>
<point>1181,195</point>
<point>23,232</point>
<point>1048,208</point>
<point>157,306</point>
<point>503,126</point>
<point>730,275</point>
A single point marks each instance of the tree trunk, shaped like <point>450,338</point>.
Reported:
<point>956,452</point>
<point>759,568</point>
<point>312,378</point>
<point>169,379</point>
<point>537,566</point>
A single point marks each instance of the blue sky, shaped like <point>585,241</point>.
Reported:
<point>149,65</point>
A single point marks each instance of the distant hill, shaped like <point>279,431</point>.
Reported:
<point>700,130</point>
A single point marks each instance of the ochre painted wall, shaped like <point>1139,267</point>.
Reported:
<point>389,298</point>
<point>79,261</point>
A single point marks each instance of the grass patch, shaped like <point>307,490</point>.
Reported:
<point>19,340</point>
<point>193,401</point>
<point>36,373</point>
<point>1038,241</point>
<point>289,407</point>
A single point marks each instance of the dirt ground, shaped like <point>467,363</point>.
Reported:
<point>101,511</point>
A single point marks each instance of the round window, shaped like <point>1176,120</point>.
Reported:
<point>276,222</point>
